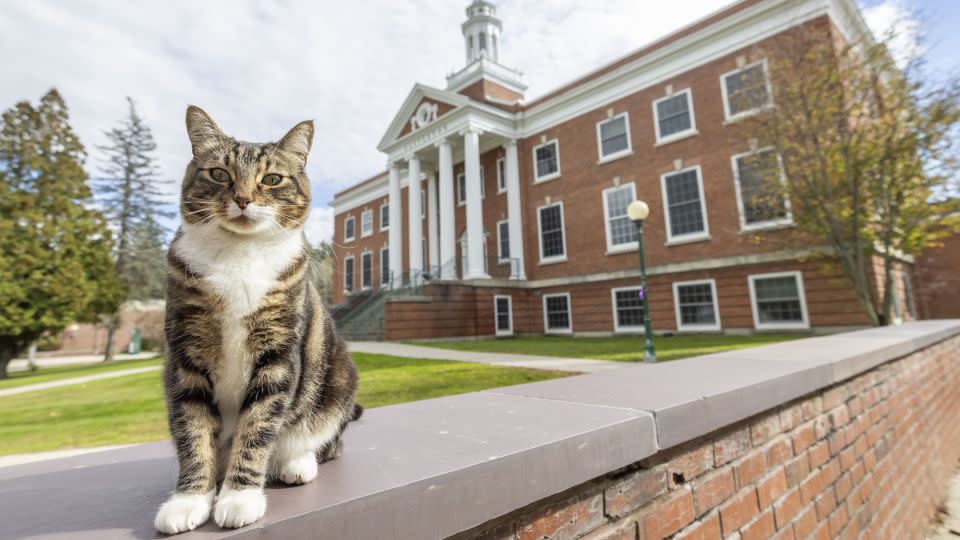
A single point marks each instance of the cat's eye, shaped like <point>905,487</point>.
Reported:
<point>220,175</point>
<point>271,179</point>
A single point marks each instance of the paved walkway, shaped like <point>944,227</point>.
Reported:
<point>19,459</point>
<point>582,365</point>
<point>20,364</point>
<point>950,528</point>
<point>76,380</point>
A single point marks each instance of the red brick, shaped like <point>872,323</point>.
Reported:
<point>779,451</point>
<point>805,523</point>
<point>634,491</point>
<point>731,446</point>
<point>835,396</point>
<point>568,519</point>
<point>791,417</point>
<point>843,486</point>
<point>750,468</point>
<point>797,469</point>
<point>689,465</point>
<point>825,504</point>
<point>737,511</point>
<point>837,520</point>
<point>713,488</point>
<point>837,442</point>
<point>764,429</point>
<point>761,528</point>
<point>771,487</point>
<point>830,472</point>
<point>819,454</point>
<point>804,437</point>
<point>787,508</point>
<point>812,407</point>
<point>671,515</point>
<point>625,529</point>
<point>848,457</point>
<point>707,528</point>
<point>811,487</point>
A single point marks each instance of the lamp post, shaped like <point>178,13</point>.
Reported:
<point>638,212</point>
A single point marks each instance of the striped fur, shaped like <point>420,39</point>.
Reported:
<point>258,384</point>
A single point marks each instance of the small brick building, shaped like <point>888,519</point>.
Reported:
<point>517,220</point>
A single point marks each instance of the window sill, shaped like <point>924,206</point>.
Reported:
<point>348,240</point>
<point>385,229</point>
<point>766,226</point>
<point>368,235</point>
<point>784,326</point>
<point>632,248</point>
<point>501,192</point>
<point>547,178</point>
<point>676,137</point>
<point>745,114</point>
<point>614,157</point>
<point>699,329</point>
<point>689,240</point>
<point>558,331</point>
<point>547,262</point>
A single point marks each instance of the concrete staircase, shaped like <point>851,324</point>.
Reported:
<point>362,319</point>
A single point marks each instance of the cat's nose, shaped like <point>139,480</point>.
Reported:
<point>241,201</point>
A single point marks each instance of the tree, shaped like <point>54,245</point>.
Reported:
<point>55,262</point>
<point>867,148</point>
<point>321,270</point>
<point>131,193</point>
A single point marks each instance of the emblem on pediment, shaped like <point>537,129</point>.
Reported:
<point>426,113</point>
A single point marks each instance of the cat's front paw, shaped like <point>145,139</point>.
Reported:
<point>183,512</point>
<point>300,470</point>
<point>236,508</point>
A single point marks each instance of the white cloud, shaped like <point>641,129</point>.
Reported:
<point>892,20</point>
<point>319,224</point>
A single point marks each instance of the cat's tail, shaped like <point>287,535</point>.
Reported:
<point>357,412</point>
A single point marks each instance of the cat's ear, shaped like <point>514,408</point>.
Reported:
<point>203,131</point>
<point>297,141</point>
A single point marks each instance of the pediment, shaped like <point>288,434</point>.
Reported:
<point>422,107</point>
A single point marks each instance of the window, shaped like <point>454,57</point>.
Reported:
<point>778,301</point>
<point>760,184</point>
<point>501,175</point>
<point>462,188</point>
<point>550,223</point>
<point>695,303</point>
<point>686,211</point>
<point>366,270</point>
<point>384,217</point>
<point>349,232</point>
<point>745,90</point>
<point>627,309</point>
<point>613,137</point>
<point>503,315</point>
<point>423,203</point>
<point>503,241</point>
<point>384,265</point>
<point>908,294</point>
<point>556,313</point>
<point>366,223</point>
<point>348,275</point>
<point>673,117</point>
<point>546,161</point>
<point>621,232</point>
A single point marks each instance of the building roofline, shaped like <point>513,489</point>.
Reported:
<point>360,184</point>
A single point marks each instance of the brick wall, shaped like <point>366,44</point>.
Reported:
<point>937,282</point>
<point>867,458</point>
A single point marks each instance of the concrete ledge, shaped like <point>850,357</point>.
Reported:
<point>433,468</point>
<point>409,299</point>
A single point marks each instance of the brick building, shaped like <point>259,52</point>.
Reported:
<point>517,220</point>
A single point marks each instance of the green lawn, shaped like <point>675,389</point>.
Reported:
<point>130,408</point>
<point>619,348</point>
<point>21,378</point>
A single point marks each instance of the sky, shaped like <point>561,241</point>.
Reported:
<point>259,67</point>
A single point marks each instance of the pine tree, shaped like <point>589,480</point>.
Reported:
<point>55,262</point>
<point>131,192</point>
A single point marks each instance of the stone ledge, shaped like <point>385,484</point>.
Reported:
<point>409,299</point>
<point>433,468</point>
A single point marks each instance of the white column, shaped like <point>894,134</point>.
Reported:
<point>415,222</point>
<point>475,262</point>
<point>396,225</point>
<point>448,233</point>
<point>432,240</point>
<point>514,216</point>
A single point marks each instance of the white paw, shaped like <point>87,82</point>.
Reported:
<point>183,513</point>
<point>300,470</point>
<point>238,508</point>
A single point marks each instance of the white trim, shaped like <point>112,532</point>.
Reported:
<point>366,287</point>
<point>716,306</point>
<point>496,321</point>
<point>772,224</point>
<point>796,274</point>
<point>728,118</point>
<point>380,216</point>
<point>689,132</point>
<point>352,237</point>
<point>501,178</point>
<point>423,203</point>
<point>612,249</point>
<point>538,179</point>
<point>569,329</point>
<point>617,328</point>
<point>367,212</point>
<point>380,271</point>
<point>688,237</point>
<point>353,286</point>
<point>563,235</point>
<point>500,258</point>
<point>463,201</point>
<point>620,153</point>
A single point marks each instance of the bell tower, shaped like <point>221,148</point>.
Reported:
<point>484,77</point>
<point>481,31</point>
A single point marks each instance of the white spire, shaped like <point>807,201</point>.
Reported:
<point>481,32</point>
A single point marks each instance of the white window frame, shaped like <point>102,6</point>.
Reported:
<point>632,246</point>
<point>496,322</point>
<point>801,293</point>
<point>381,272</point>
<point>352,237</point>
<point>501,176</point>
<point>785,221</point>
<point>463,201</point>
<point>500,258</point>
<point>617,328</point>
<point>353,286</point>
<point>750,112</point>
<point>690,132</point>
<point>689,237</point>
<point>368,286</point>
<point>546,328</point>
<point>423,204</point>
<point>363,215</point>
<point>382,206</point>
<point>563,230</point>
<point>616,155</point>
<point>551,176</point>
<point>716,306</point>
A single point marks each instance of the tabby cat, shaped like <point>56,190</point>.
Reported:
<point>258,384</point>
